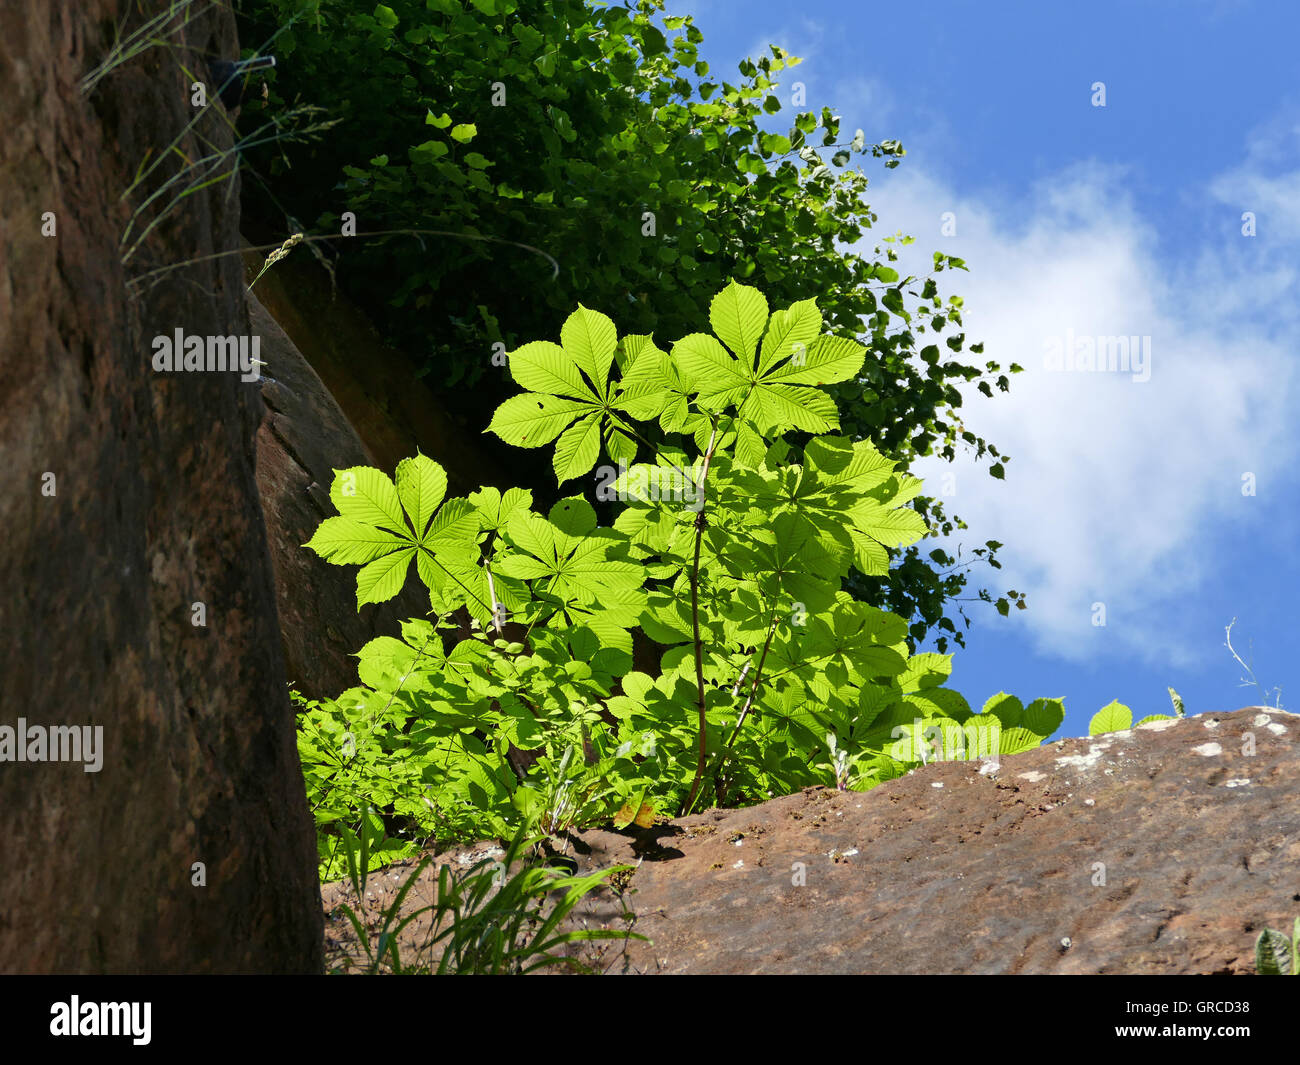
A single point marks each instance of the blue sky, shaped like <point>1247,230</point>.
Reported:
<point>1076,222</point>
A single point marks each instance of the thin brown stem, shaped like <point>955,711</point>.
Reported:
<point>753,687</point>
<point>700,522</point>
<point>744,713</point>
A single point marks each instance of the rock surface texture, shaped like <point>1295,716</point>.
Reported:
<point>303,439</point>
<point>129,497</point>
<point>388,405</point>
<point>1163,849</point>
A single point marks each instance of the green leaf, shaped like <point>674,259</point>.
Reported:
<point>790,332</point>
<point>647,379</point>
<point>1177,700</point>
<point>545,367</point>
<point>575,518</point>
<point>347,542</point>
<point>1273,953</point>
<point>364,494</point>
<point>428,152</point>
<point>778,407</point>
<point>464,132</point>
<point>1113,717</point>
<point>495,510</point>
<point>719,378</point>
<point>577,449</point>
<point>738,314</point>
<point>589,339</point>
<point>1006,708</point>
<point>1044,716</point>
<point>534,534</point>
<point>829,359</point>
<point>925,670</point>
<point>452,530</point>
<point>532,420</point>
<point>1016,740</point>
<point>523,567</point>
<point>421,486</point>
<point>382,579</point>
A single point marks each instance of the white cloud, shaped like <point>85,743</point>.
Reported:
<point>1117,492</point>
<point>867,99</point>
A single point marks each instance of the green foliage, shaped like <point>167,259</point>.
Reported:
<point>358,856</point>
<point>1177,700</point>
<point>1276,954</point>
<point>731,551</point>
<point>597,136</point>
<point>483,922</point>
<point>1116,717</point>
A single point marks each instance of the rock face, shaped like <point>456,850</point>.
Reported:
<point>304,437</point>
<point>138,592</point>
<point>1164,849</point>
<point>389,407</point>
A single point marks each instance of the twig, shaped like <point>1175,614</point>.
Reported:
<point>700,523</point>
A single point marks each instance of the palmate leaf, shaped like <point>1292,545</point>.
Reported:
<point>857,474</point>
<point>567,558</point>
<point>655,385</point>
<point>774,389</point>
<point>569,396</point>
<point>382,526</point>
<point>495,509</point>
<point>788,564</point>
<point>718,377</point>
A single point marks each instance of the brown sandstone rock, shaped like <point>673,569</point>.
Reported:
<point>1164,849</point>
<point>154,509</point>
<point>392,410</point>
<point>303,439</point>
